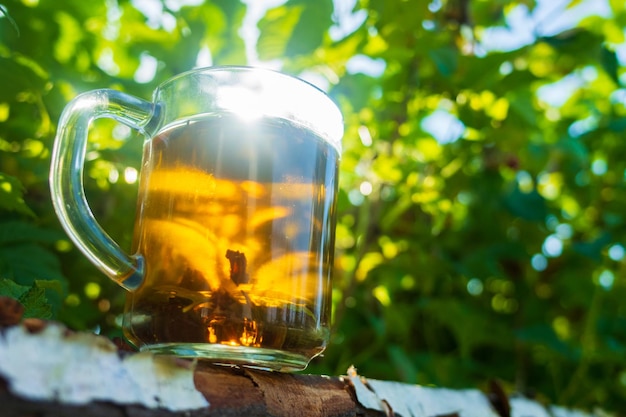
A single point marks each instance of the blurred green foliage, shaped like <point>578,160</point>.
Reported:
<point>481,227</point>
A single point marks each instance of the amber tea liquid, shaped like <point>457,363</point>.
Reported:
<point>235,227</point>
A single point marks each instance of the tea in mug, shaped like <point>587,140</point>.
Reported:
<point>235,229</point>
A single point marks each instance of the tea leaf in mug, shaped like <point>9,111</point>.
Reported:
<point>198,183</point>
<point>185,245</point>
<point>291,278</point>
<point>269,214</point>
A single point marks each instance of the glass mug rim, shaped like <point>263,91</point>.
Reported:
<point>319,112</point>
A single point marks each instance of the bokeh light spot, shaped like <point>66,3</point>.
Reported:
<point>475,286</point>
<point>539,262</point>
<point>617,252</point>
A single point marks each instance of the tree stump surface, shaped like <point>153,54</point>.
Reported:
<point>48,371</point>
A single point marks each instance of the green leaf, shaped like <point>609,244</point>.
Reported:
<point>356,88</point>
<point>403,363</point>
<point>617,6</point>
<point>543,334</point>
<point>35,303</point>
<point>24,259</point>
<point>617,124</point>
<point>310,29</point>
<point>276,27</point>
<point>575,154</point>
<point>12,232</point>
<point>485,71</point>
<point>33,298</point>
<point>10,288</point>
<point>446,60</point>
<point>461,319</point>
<point>521,103</point>
<point>296,28</point>
<point>530,206</point>
<point>610,63</point>
<point>20,74</point>
<point>12,196</point>
<point>28,262</point>
<point>594,248</point>
<point>52,285</point>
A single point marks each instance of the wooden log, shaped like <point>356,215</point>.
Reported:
<point>50,371</point>
<point>231,393</point>
<point>47,370</point>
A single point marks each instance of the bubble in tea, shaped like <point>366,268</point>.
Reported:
<point>235,229</point>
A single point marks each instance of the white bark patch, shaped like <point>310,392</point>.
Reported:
<point>409,400</point>
<point>417,401</point>
<point>79,368</point>
<point>564,412</point>
<point>364,395</point>
<point>523,407</point>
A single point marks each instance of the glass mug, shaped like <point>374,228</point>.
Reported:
<point>233,238</point>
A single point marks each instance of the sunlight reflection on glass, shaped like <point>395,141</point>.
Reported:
<point>247,104</point>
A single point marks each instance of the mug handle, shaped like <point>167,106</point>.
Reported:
<point>66,178</point>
